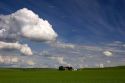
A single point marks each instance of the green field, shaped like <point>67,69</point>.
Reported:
<point>107,75</point>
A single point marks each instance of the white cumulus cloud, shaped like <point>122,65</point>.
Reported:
<point>23,48</point>
<point>107,53</point>
<point>25,23</point>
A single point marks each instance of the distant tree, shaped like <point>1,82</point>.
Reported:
<point>61,68</point>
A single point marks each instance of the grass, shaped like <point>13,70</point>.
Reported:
<point>106,75</point>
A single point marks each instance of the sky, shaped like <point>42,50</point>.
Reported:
<point>50,33</point>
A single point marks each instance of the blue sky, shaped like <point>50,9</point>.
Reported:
<point>85,24</point>
<point>77,20</point>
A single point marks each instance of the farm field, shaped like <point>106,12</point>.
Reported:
<point>106,75</point>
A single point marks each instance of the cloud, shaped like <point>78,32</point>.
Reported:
<point>107,53</point>
<point>83,54</point>
<point>8,59</point>
<point>59,44</point>
<point>1,59</point>
<point>23,48</point>
<point>15,59</point>
<point>30,62</point>
<point>25,23</point>
<point>108,61</point>
<point>60,60</point>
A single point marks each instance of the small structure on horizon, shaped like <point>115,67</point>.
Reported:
<point>62,68</point>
